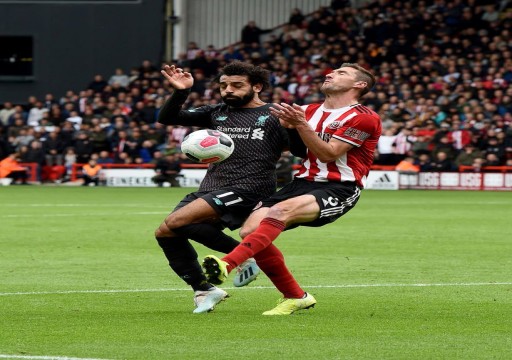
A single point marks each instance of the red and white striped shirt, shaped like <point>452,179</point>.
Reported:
<point>356,125</point>
<point>460,138</point>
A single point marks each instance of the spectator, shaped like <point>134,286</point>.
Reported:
<point>69,160</point>
<point>123,158</point>
<point>192,50</point>
<point>56,115</point>
<point>251,34</point>
<point>490,14</point>
<point>124,144</point>
<point>491,159</point>
<point>146,151</point>
<point>315,24</point>
<point>31,102</point>
<point>54,148</point>
<point>104,158</point>
<point>385,152</point>
<point>445,145</point>
<point>49,101</point>
<point>98,84</point>
<point>120,78</point>
<point>468,156</point>
<point>177,133</point>
<point>35,154</point>
<point>478,164</point>
<point>200,83</point>
<point>211,51</point>
<point>6,112</point>
<point>442,162</point>
<point>296,18</point>
<point>494,147</point>
<point>167,171</point>
<point>67,134</point>
<point>147,69</point>
<point>232,54</point>
<point>35,114</point>
<point>10,168</point>
<point>91,173</point>
<point>421,146</point>
<point>402,144</point>
<point>83,147</point>
<point>407,165</point>
<point>99,139</point>
<point>424,162</point>
<point>460,136</point>
<point>25,136</point>
<point>19,113</point>
<point>75,119</point>
<point>15,128</point>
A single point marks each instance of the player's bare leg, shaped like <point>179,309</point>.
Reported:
<point>301,209</point>
<point>198,211</point>
<point>262,227</point>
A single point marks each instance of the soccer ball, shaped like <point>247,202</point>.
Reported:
<point>207,146</point>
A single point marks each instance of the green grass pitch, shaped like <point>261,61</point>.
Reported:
<point>405,275</point>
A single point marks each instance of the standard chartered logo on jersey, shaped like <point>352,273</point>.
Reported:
<point>242,132</point>
<point>257,134</point>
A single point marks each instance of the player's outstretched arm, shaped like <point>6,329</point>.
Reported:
<point>171,112</point>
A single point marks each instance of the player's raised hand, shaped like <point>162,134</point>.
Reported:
<point>177,78</point>
<point>290,116</point>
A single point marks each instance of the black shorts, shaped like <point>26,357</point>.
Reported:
<point>334,199</point>
<point>232,205</point>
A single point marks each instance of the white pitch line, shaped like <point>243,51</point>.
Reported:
<point>6,356</point>
<point>347,286</point>
<point>86,205</point>
<point>82,215</point>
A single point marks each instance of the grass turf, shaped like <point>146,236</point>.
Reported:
<point>405,275</point>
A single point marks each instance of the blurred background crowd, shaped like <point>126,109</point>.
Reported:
<point>444,93</point>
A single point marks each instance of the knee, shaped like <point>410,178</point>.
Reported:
<point>278,212</point>
<point>244,231</point>
<point>162,231</point>
<point>173,222</point>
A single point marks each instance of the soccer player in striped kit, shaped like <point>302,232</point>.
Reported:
<point>340,135</point>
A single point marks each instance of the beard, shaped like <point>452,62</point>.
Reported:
<point>237,101</point>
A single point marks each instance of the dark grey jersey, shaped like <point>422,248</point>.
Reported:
<point>259,140</point>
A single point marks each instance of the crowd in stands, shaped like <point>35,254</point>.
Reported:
<point>444,88</point>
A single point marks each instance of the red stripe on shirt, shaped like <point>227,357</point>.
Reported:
<point>310,110</point>
<point>334,172</point>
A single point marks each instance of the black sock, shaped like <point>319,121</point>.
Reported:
<point>182,259</point>
<point>209,235</point>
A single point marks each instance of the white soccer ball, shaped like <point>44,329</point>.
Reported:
<point>207,146</point>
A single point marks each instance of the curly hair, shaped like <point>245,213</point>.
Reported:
<point>256,74</point>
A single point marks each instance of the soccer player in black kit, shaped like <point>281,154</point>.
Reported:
<point>230,189</point>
